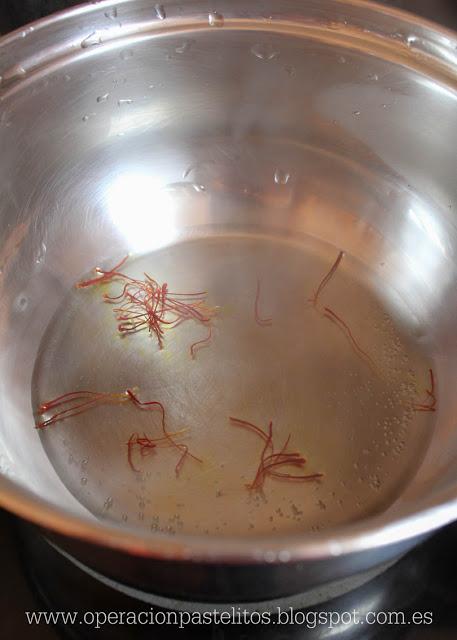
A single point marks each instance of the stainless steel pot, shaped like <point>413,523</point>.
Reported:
<point>357,104</point>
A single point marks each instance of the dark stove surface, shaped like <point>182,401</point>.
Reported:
<point>37,579</point>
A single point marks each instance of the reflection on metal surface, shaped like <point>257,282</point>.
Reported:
<point>142,211</point>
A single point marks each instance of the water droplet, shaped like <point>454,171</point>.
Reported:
<point>215,19</point>
<point>124,101</point>
<point>41,254</point>
<point>108,503</point>
<point>290,70</point>
<point>83,480</point>
<point>84,462</point>
<point>91,40</point>
<point>17,70</point>
<point>22,302</point>
<point>67,77</point>
<point>125,54</point>
<point>111,14</point>
<point>281,177</point>
<point>356,113</point>
<point>410,40</point>
<point>342,60</point>
<point>103,98</point>
<point>85,118</point>
<point>182,48</point>
<point>160,12</point>
<point>264,51</point>
<point>373,76</point>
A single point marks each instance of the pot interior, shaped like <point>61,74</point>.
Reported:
<point>238,156</point>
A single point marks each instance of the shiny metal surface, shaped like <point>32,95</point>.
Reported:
<point>356,103</point>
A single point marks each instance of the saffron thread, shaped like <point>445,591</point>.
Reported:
<point>431,404</point>
<point>326,279</point>
<point>333,317</point>
<point>262,322</point>
<point>271,461</point>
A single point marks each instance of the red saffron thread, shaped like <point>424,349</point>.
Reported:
<point>326,279</point>
<point>268,463</point>
<point>333,317</point>
<point>146,445</point>
<point>79,402</point>
<point>145,304</point>
<point>263,322</point>
<point>431,406</point>
<point>76,402</point>
<point>201,343</point>
<point>104,276</point>
<point>154,404</point>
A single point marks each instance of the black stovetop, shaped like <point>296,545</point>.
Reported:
<point>37,578</point>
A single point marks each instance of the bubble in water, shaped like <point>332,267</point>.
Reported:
<point>125,54</point>
<point>83,480</point>
<point>108,503</point>
<point>281,177</point>
<point>215,19</point>
<point>103,98</point>
<point>264,51</point>
<point>84,462</point>
<point>410,40</point>
<point>356,113</point>
<point>375,482</point>
<point>341,59</point>
<point>124,101</point>
<point>160,12</point>
<point>290,70</point>
<point>373,76</point>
